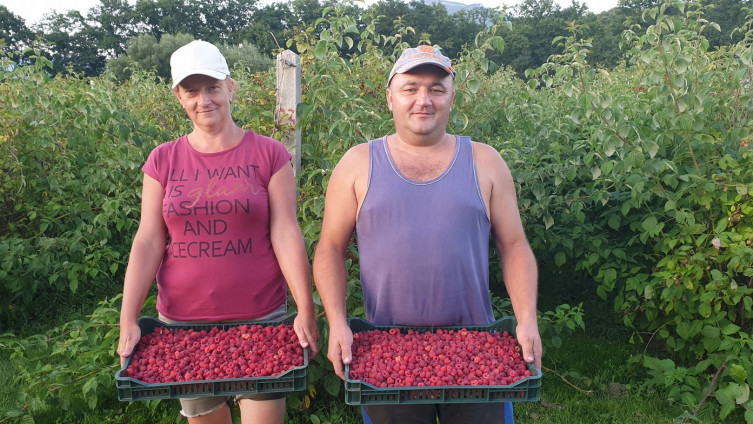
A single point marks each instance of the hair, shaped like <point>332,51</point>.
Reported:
<point>229,80</point>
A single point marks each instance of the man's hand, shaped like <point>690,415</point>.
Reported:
<point>339,350</point>
<point>530,340</point>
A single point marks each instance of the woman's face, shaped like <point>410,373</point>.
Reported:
<point>205,99</point>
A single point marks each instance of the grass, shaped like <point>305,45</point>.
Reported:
<point>586,381</point>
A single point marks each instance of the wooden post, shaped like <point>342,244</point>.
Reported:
<point>288,98</point>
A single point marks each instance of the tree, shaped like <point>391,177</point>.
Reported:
<point>146,52</point>
<point>639,5</point>
<point>74,44</point>
<point>14,31</point>
<point>116,25</point>
<point>605,32</point>
<point>537,9</point>
<point>246,56</point>
<point>168,17</point>
<point>535,25</point>
<point>729,14</point>
<point>270,27</point>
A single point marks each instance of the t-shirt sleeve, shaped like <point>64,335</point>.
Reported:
<point>279,155</point>
<point>149,168</point>
<point>152,165</point>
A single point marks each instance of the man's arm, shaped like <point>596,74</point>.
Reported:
<point>330,276</point>
<point>518,261</point>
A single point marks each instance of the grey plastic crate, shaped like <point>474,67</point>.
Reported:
<point>358,392</point>
<point>131,389</point>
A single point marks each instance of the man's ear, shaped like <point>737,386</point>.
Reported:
<point>389,99</point>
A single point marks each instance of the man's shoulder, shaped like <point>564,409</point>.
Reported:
<point>357,153</point>
<point>489,161</point>
<point>485,151</point>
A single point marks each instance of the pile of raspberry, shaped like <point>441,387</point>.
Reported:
<point>245,351</point>
<point>394,358</point>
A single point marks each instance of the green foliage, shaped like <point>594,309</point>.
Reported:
<point>13,30</point>
<point>146,53</point>
<point>660,203</point>
<point>246,56</point>
<point>70,157</point>
<point>68,367</point>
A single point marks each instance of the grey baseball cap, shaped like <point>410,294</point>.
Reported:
<point>421,55</point>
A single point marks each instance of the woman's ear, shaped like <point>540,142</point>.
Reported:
<point>230,87</point>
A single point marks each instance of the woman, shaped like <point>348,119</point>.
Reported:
<point>218,229</point>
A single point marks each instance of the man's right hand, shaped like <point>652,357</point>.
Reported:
<point>339,348</point>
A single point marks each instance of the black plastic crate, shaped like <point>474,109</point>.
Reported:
<point>358,392</point>
<point>130,389</point>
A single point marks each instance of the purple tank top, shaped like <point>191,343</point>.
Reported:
<point>424,245</point>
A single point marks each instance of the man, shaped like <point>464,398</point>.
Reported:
<point>423,204</point>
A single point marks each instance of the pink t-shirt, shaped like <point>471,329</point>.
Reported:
<point>219,264</point>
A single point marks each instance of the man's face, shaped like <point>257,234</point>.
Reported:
<point>420,101</point>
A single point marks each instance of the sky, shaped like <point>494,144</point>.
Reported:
<point>32,11</point>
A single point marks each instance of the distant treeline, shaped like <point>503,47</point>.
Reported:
<point>86,44</point>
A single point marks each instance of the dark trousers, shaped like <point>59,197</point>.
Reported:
<point>454,413</point>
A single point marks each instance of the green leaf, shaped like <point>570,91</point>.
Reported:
<point>721,225</point>
<point>499,44</point>
<point>474,85</point>
<point>704,309</point>
<point>649,223</point>
<point>320,50</point>
<point>738,373</point>
<point>614,221</point>
<point>710,331</point>
<point>663,365</point>
<point>332,384</point>
<point>648,292</point>
<point>733,392</point>
<point>560,258</point>
<point>730,329</point>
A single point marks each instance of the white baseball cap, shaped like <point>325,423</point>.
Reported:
<point>198,57</point>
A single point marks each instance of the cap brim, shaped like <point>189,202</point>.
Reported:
<point>408,66</point>
<point>208,72</point>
